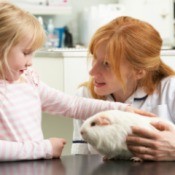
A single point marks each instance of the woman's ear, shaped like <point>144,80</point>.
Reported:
<point>140,74</point>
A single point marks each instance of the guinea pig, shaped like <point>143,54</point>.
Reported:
<point>106,132</point>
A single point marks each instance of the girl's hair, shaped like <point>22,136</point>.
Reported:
<point>137,42</point>
<point>15,25</point>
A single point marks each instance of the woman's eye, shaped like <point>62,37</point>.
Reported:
<point>106,64</point>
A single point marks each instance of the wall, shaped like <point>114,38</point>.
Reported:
<point>73,20</point>
<point>159,14</point>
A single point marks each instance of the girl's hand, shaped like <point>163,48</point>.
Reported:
<point>139,111</point>
<point>57,146</point>
<point>156,145</point>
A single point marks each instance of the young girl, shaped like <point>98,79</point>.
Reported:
<point>127,68</point>
<point>23,96</point>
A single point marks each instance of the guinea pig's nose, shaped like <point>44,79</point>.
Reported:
<point>81,132</point>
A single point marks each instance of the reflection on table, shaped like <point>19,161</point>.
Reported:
<point>37,167</point>
<point>86,165</point>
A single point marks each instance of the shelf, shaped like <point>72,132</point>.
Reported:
<point>47,10</point>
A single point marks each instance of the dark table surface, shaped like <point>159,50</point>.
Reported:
<point>86,165</point>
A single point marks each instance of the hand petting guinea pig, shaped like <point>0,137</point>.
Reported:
<point>106,132</point>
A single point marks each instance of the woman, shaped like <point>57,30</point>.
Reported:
<point>126,67</point>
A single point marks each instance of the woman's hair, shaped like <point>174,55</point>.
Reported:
<point>15,25</point>
<point>138,43</point>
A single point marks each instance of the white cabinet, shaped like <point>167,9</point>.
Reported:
<point>76,68</point>
<point>169,60</point>
<point>36,9</point>
<point>168,57</point>
<point>66,71</point>
<point>50,70</point>
<point>75,73</point>
<point>45,10</point>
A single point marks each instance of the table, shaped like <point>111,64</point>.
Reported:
<point>86,165</point>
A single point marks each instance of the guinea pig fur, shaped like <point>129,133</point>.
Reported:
<point>106,132</point>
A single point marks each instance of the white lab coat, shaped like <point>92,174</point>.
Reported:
<point>161,103</point>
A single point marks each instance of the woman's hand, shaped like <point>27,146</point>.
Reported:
<point>57,146</point>
<point>156,145</point>
<point>139,111</point>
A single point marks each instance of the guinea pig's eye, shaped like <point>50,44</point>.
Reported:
<point>93,124</point>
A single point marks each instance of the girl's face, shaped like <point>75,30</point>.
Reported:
<point>105,80</point>
<point>19,59</point>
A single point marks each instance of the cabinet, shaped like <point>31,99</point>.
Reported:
<point>36,9</point>
<point>50,70</point>
<point>65,70</point>
<point>46,10</point>
<point>75,73</point>
<point>169,58</point>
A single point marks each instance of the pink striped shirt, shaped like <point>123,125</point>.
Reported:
<point>21,106</point>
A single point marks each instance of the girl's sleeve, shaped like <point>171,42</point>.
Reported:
<point>56,102</point>
<point>27,150</point>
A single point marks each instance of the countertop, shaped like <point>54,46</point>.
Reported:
<point>80,52</point>
<point>61,52</point>
<point>86,165</point>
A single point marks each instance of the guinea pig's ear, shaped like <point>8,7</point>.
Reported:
<point>103,120</point>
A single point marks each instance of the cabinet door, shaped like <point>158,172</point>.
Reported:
<point>35,8</point>
<point>169,60</point>
<point>75,72</point>
<point>51,72</point>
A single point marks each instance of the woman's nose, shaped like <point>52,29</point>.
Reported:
<point>91,71</point>
<point>94,70</point>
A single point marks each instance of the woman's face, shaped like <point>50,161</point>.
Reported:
<point>105,80</point>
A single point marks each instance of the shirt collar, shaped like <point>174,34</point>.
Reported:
<point>138,95</point>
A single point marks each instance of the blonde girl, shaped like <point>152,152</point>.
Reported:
<point>23,96</point>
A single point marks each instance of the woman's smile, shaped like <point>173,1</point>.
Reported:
<point>99,84</point>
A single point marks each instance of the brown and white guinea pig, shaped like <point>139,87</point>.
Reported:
<point>106,132</point>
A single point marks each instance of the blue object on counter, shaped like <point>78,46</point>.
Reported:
<point>60,33</point>
<point>68,39</point>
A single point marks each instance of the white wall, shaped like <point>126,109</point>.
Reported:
<point>73,20</point>
<point>159,13</point>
